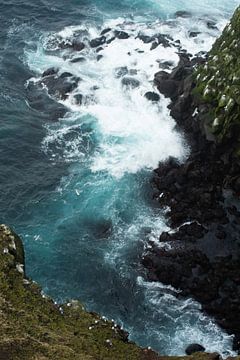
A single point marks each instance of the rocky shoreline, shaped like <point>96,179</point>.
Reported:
<point>201,254</point>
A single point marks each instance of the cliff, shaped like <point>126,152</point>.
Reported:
<point>218,85</point>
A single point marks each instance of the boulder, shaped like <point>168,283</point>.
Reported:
<point>152,96</point>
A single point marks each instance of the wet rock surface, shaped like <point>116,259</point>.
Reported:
<point>201,254</point>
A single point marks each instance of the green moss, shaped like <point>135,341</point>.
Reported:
<point>218,83</point>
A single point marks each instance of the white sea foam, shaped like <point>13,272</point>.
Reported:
<point>181,317</point>
<point>132,132</point>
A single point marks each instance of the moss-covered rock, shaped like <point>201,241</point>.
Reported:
<point>218,84</point>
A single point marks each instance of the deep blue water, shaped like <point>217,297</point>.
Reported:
<point>78,188</point>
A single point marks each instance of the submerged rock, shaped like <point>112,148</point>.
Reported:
<point>130,82</point>
<point>182,14</point>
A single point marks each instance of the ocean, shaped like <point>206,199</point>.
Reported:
<point>75,171</point>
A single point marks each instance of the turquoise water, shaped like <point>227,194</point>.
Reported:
<point>78,188</point>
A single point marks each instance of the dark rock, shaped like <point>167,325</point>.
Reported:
<point>121,34</point>
<point>78,60</point>
<point>194,229</point>
<point>105,31</point>
<point>99,49</point>
<point>154,45</point>
<point>183,14</point>
<point>77,45</point>
<point>152,96</point>
<point>78,99</point>
<point>165,85</point>
<point>193,34</point>
<point>99,57</point>
<point>204,259</point>
<point>163,40</point>
<point>130,82</point>
<point>193,348</point>
<point>181,107</point>
<point>98,42</point>
<point>60,86</point>
<point>109,41</point>
<point>50,71</point>
<point>212,25</point>
<point>65,75</point>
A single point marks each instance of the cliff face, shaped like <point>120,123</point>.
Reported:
<point>218,85</point>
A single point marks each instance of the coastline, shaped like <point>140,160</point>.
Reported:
<point>203,260</point>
